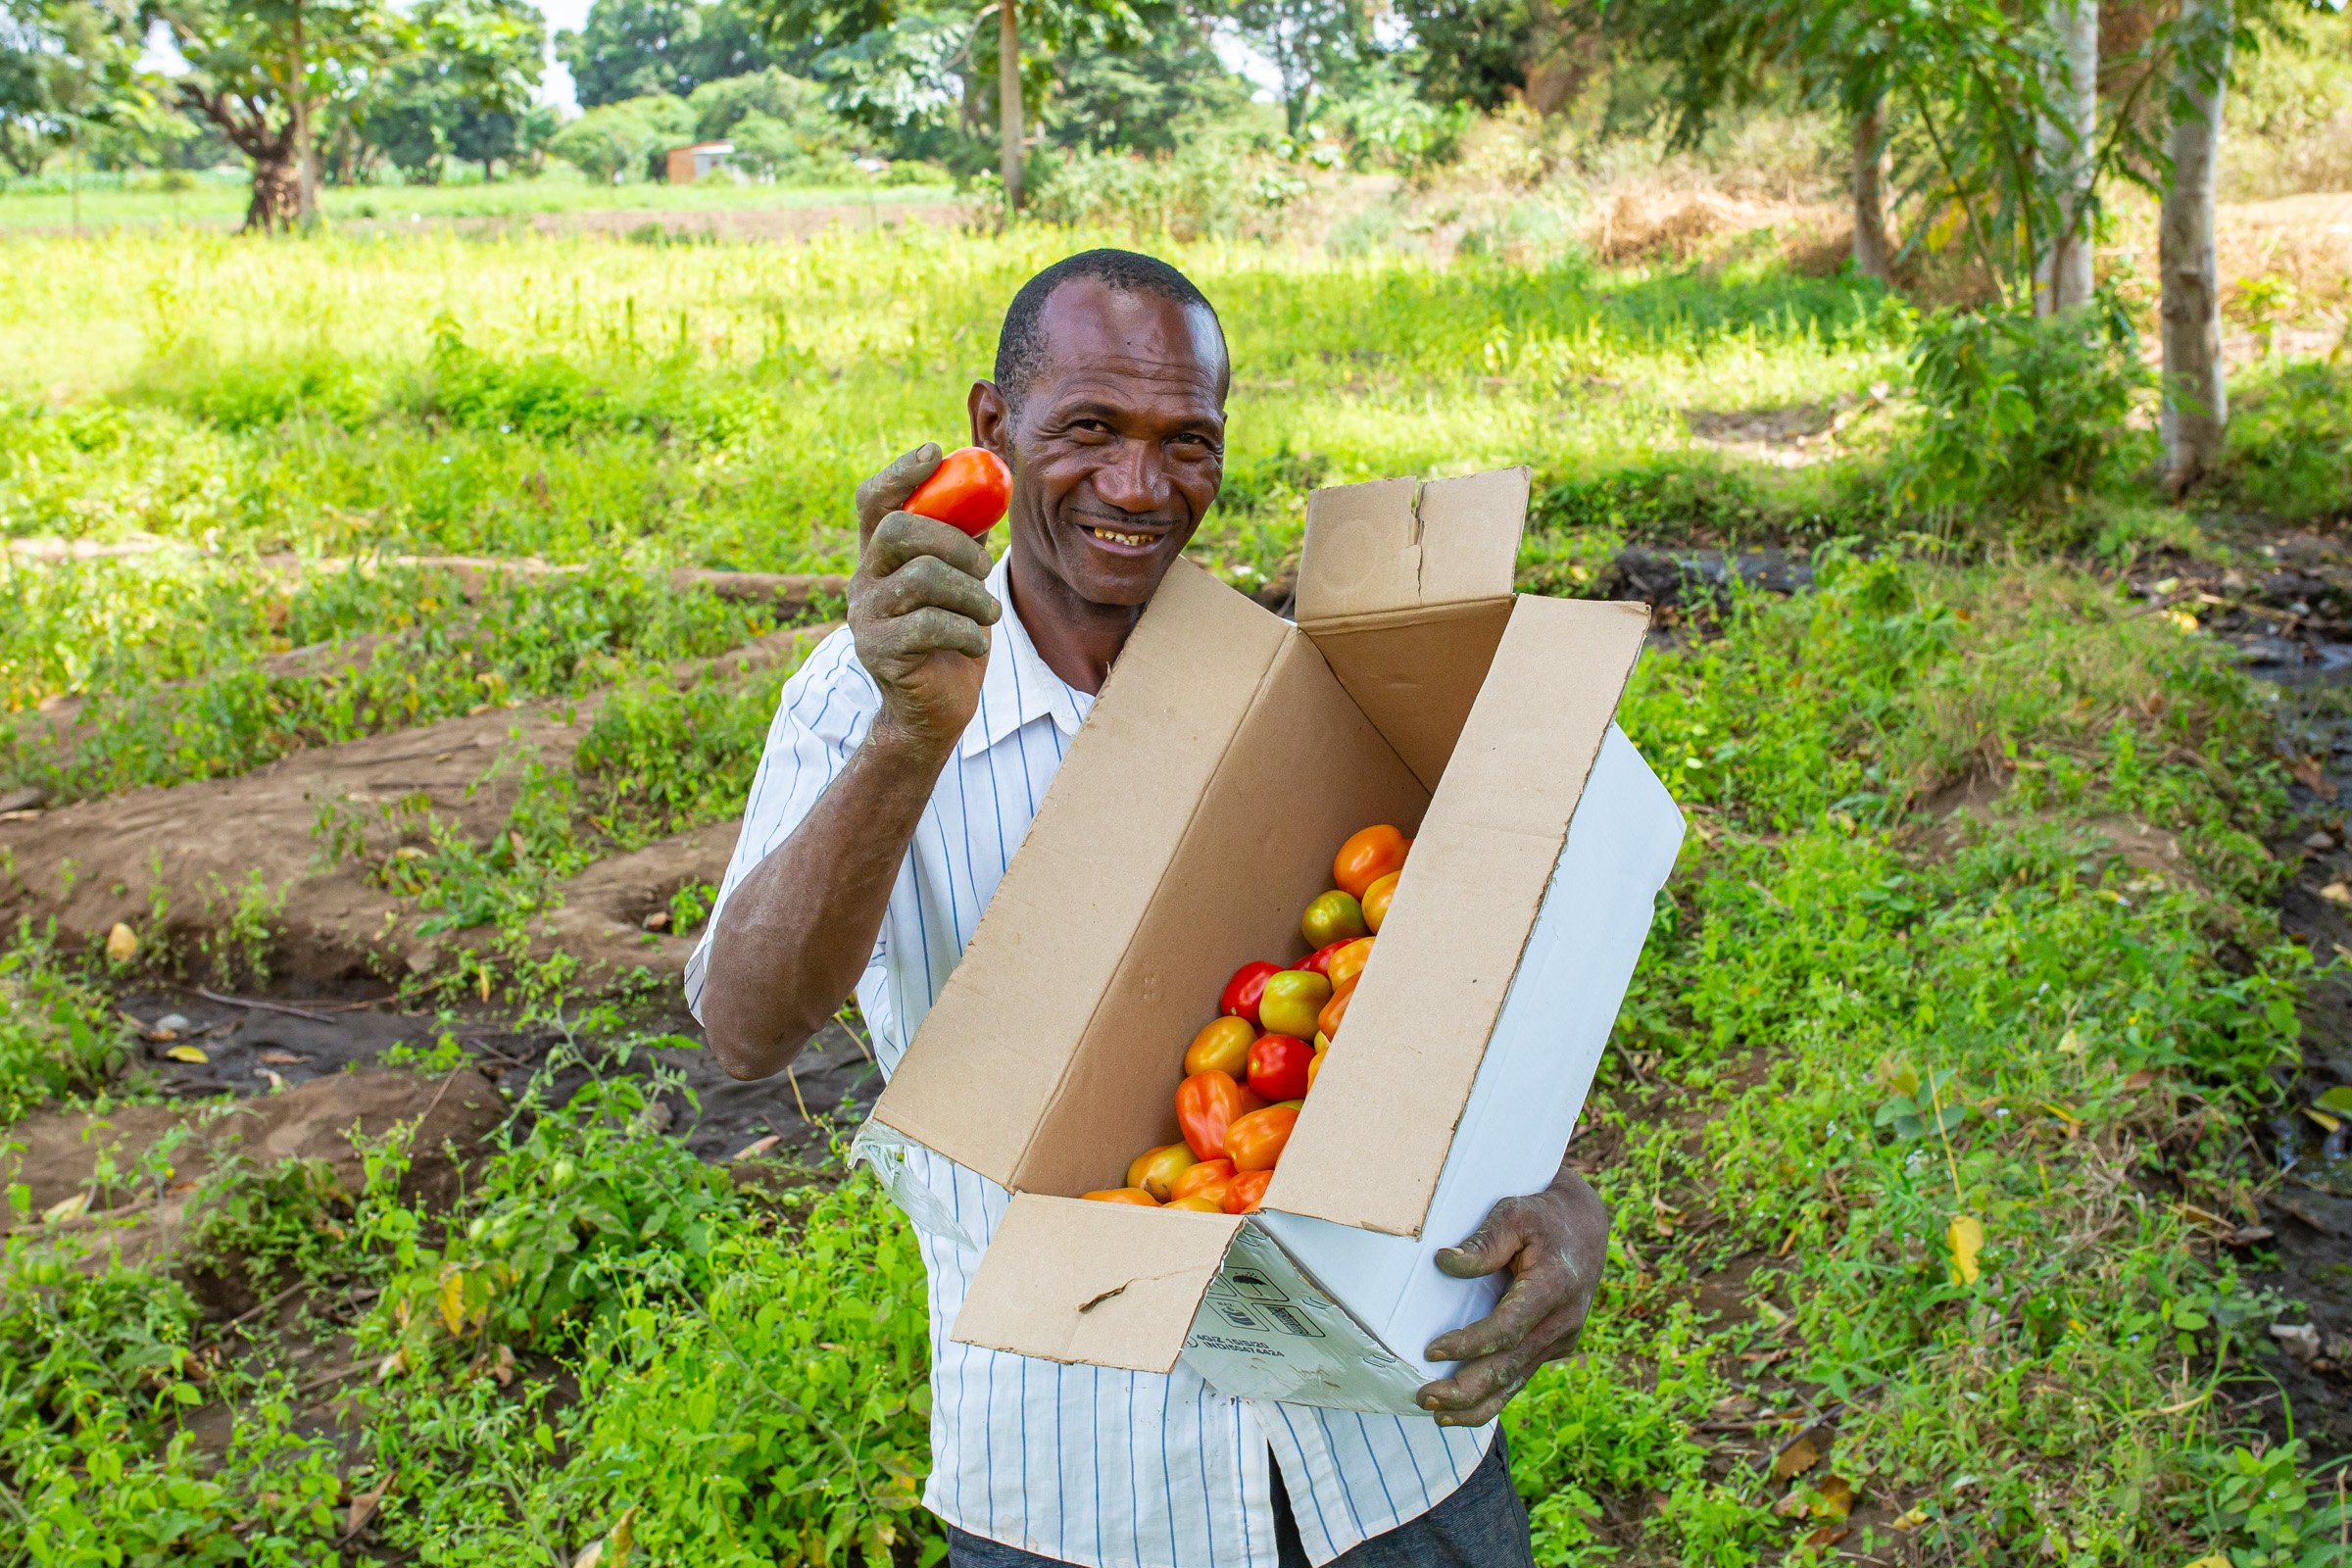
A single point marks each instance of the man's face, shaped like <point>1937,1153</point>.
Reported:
<point>1118,446</point>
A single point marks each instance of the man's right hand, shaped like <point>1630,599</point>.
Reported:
<point>920,607</point>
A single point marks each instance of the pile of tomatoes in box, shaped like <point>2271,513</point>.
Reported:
<point>1248,1073</point>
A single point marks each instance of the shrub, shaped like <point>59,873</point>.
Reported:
<point>57,1037</point>
<point>2290,447</point>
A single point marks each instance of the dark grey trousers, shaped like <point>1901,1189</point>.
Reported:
<point>1482,1524</point>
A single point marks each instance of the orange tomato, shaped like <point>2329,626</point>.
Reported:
<point>1314,1066</point>
<point>1156,1169</point>
<point>1223,1047</point>
<point>1349,962</point>
<point>1327,1022</point>
<point>1254,1142</point>
<point>1368,857</point>
<point>1376,901</point>
<point>1198,1206</point>
<point>1197,1180</point>
<point>1208,1102</point>
<point>968,491</point>
<point>1246,1191</point>
<point>1122,1195</point>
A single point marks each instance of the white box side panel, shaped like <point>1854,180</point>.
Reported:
<point>1539,1064</point>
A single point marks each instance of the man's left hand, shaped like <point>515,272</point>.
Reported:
<point>1555,1244</point>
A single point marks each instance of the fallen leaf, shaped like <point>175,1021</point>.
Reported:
<point>121,943</point>
<point>2326,1123</point>
<point>1836,1498</point>
<point>1795,1459</point>
<point>504,1370</point>
<point>194,1053</point>
<point>363,1509</point>
<point>1967,1238</point>
<point>590,1554</point>
<point>453,1300</point>
<point>760,1147</point>
<point>621,1537</point>
<point>1910,1520</point>
<point>282,1059</point>
<point>1791,1504</point>
<point>66,1208</point>
<point>1827,1535</point>
<point>2215,1560</point>
<point>2336,893</point>
<point>2140,1079</point>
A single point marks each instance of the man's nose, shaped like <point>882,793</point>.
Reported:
<point>1136,480</point>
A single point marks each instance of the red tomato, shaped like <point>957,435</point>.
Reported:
<point>1223,1047</point>
<point>1246,1191</point>
<point>1368,857</point>
<point>1254,1142</point>
<point>1208,1102</point>
<point>1278,1067</point>
<point>1198,1181</point>
<point>1319,960</point>
<point>1122,1195</point>
<point>968,491</point>
<point>1248,983</point>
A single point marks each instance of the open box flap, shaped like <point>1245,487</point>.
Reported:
<point>977,1078</point>
<point>1102,1284</point>
<point>1394,544</point>
<point>1417,1030</point>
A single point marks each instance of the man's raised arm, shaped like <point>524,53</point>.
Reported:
<point>796,933</point>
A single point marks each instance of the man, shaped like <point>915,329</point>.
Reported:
<point>907,757</point>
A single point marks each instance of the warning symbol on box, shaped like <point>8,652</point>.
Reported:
<point>1257,1286</point>
<point>1240,1316</point>
<point>1291,1322</point>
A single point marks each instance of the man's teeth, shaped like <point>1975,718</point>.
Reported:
<point>1118,538</point>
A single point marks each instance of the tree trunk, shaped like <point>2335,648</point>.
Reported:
<point>306,156</point>
<point>272,204</point>
<point>2062,271</point>
<point>2196,404</point>
<point>1871,254</point>
<point>1556,61</point>
<point>1009,120</point>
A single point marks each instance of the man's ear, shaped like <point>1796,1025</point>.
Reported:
<point>992,421</point>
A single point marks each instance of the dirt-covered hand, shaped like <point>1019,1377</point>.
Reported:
<point>920,607</point>
<point>1555,1244</point>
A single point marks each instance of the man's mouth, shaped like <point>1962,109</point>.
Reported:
<point>1115,537</point>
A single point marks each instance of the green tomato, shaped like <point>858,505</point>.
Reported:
<point>1333,917</point>
<point>474,1232</point>
<point>1293,1000</point>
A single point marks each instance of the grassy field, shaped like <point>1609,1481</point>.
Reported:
<point>1932,1138</point>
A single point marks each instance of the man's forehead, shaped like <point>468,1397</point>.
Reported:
<point>1092,332</point>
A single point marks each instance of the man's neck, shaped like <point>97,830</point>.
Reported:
<point>1077,640</point>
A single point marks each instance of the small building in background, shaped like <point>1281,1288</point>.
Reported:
<point>690,164</point>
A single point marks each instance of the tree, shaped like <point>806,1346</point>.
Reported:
<point>464,90</point>
<point>1487,52</point>
<point>66,66</point>
<point>2061,277</point>
<point>2196,400</point>
<point>633,48</point>
<point>1307,42</point>
<point>263,70</point>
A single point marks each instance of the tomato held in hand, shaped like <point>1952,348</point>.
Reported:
<point>1293,998</point>
<point>1368,857</point>
<point>1334,916</point>
<point>1254,1142</point>
<point>1156,1169</point>
<point>1278,1067</point>
<point>1246,1191</point>
<point>1248,983</point>
<point>1205,1180</point>
<point>1376,900</point>
<point>1223,1047</point>
<point>1122,1195</point>
<point>1208,1102</point>
<point>968,491</point>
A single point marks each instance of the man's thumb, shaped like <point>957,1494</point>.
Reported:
<point>1484,1250</point>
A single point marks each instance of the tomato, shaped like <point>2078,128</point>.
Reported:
<point>1293,998</point>
<point>1376,900</point>
<point>1334,916</point>
<point>1206,1104</point>
<point>1122,1195</point>
<point>1246,1191</point>
<point>1368,857</point>
<point>1202,1177</point>
<point>1327,1022</point>
<point>968,491</point>
<point>1156,1169</point>
<point>1254,1142</point>
<point>1349,962</point>
<point>1200,1205</point>
<point>1248,983</point>
<point>1314,1064</point>
<point>1223,1047</point>
<point>1278,1066</point>
<point>1319,960</point>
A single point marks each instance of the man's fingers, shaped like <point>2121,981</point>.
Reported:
<point>930,582</point>
<point>1479,1388</point>
<point>887,491</point>
<point>902,537</point>
<point>1494,1243</point>
<point>1522,1307</point>
<point>930,630</point>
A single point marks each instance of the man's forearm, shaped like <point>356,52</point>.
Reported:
<point>797,932</point>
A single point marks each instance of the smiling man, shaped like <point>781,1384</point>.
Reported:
<point>906,760</point>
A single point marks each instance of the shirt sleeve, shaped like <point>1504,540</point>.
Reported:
<point>821,718</point>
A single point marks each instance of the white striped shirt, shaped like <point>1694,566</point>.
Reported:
<point>1086,1464</point>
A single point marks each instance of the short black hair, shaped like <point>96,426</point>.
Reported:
<point>1021,345</point>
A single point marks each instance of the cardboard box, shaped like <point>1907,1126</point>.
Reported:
<point>1195,816</point>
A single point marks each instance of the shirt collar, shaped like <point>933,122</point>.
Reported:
<point>1019,684</point>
